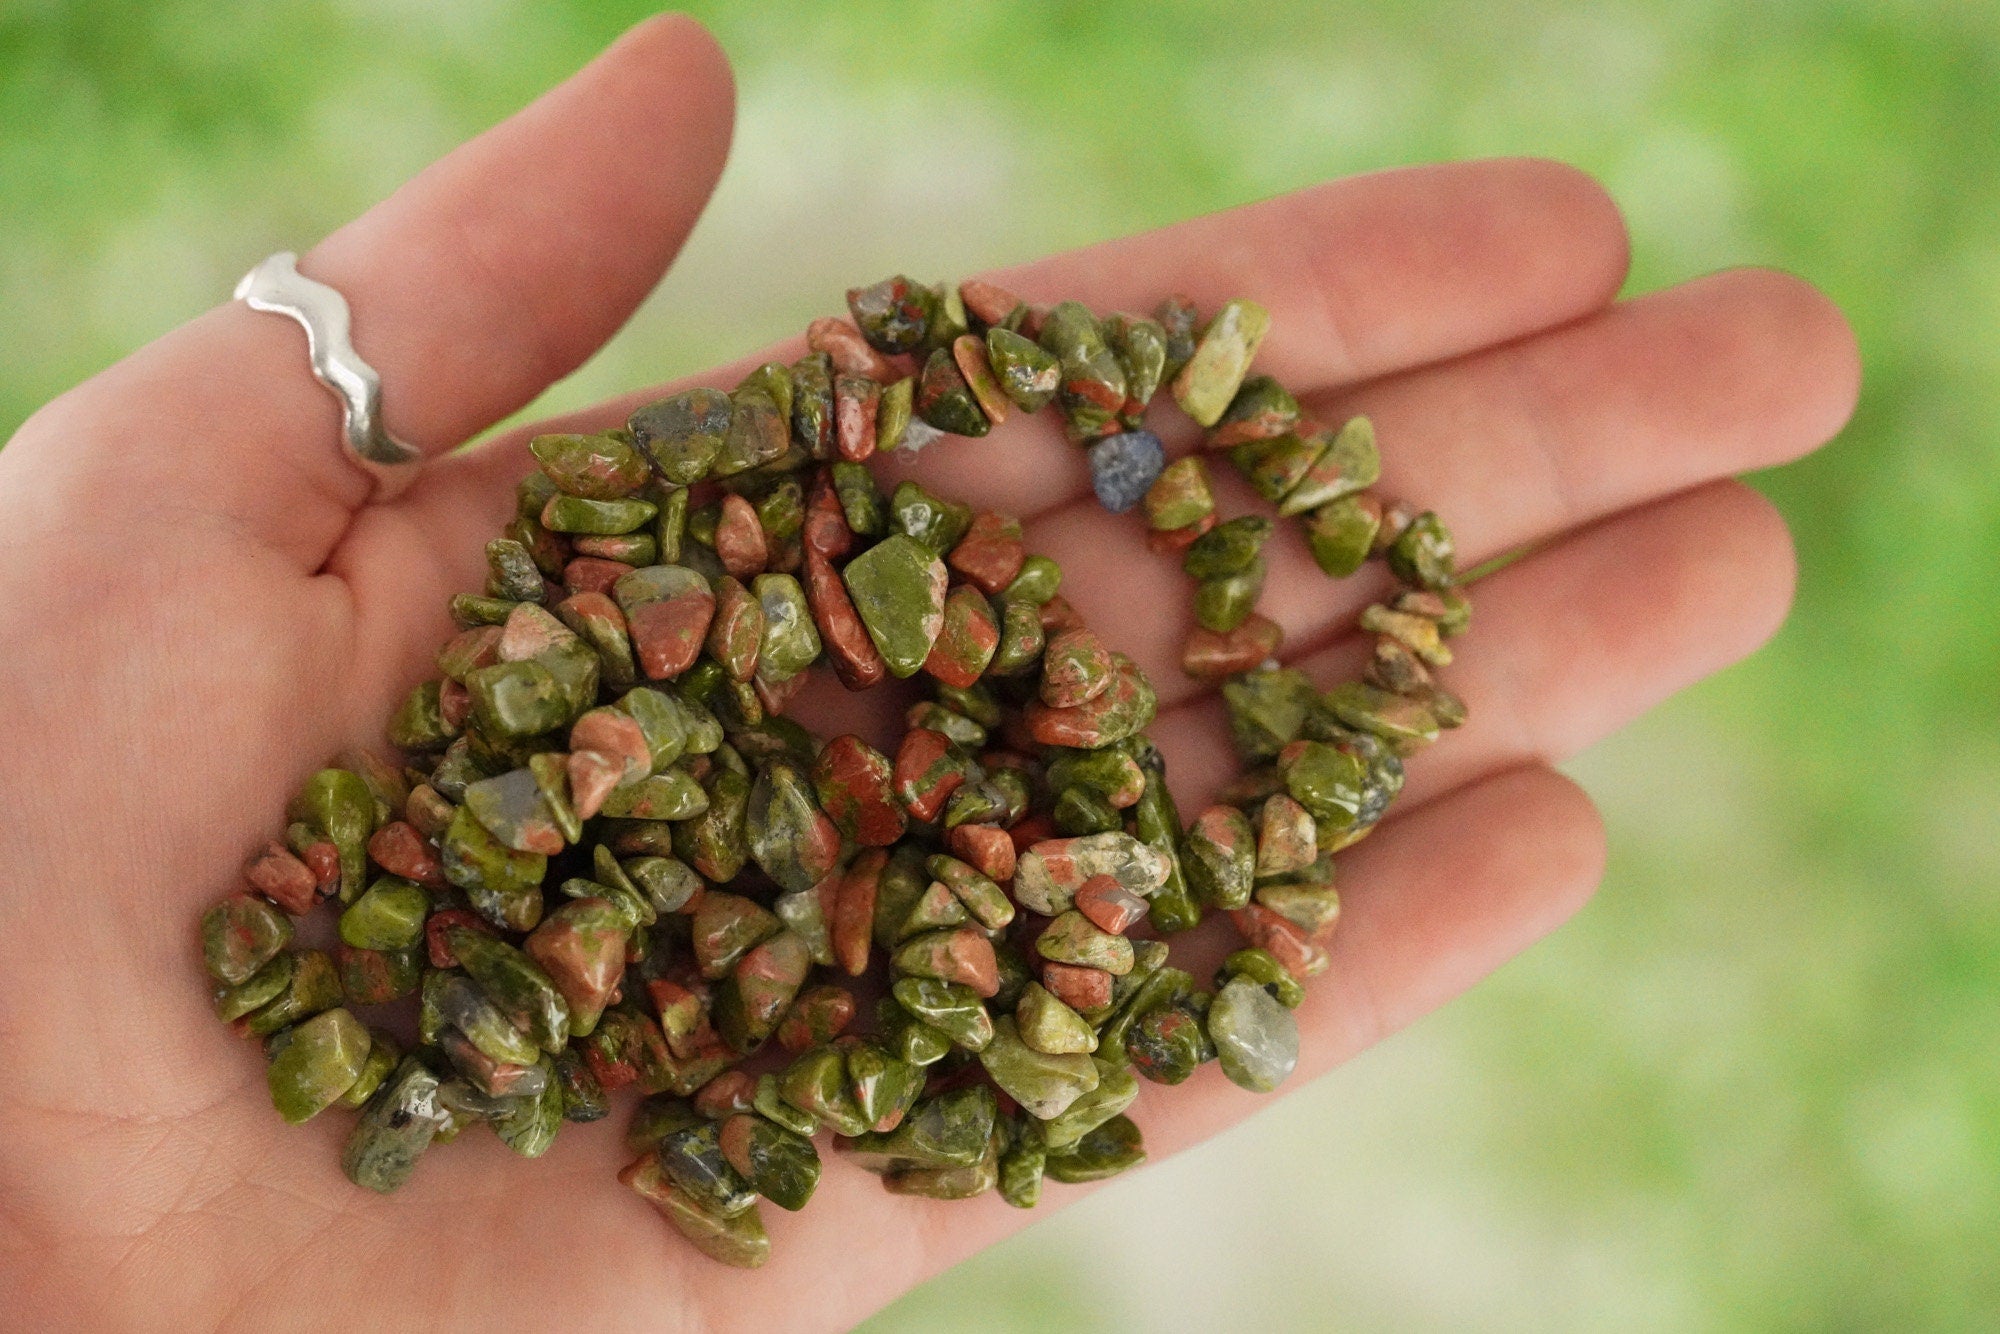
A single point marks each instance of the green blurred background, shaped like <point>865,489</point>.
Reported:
<point>1753,1085</point>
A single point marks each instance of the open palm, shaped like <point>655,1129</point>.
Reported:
<point>199,608</point>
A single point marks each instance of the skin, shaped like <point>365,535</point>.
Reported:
<point>265,616</point>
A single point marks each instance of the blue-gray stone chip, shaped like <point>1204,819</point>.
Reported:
<point>1122,466</point>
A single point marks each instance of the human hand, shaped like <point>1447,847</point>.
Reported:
<point>233,614</point>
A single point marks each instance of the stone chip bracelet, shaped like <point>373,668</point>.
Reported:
<point>609,858</point>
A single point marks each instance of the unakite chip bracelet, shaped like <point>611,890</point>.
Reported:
<point>608,856</point>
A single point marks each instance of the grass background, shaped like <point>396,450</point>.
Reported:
<point>1754,1085</point>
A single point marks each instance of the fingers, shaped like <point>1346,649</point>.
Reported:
<point>1363,277</point>
<point>1568,645</point>
<point>1428,908</point>
<point>489,275</point>
<point>1515,445</point>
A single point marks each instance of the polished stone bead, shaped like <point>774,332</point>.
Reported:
<point>667,610</point>
<point>790,837</point>
<point>1285,940</point>
<point>952,1129</point>
<point>807,911</point>
<point>961,955</point>
<point>820,1014</point>
<point>983,898</point>
<point>516,983</point>
<point>1141,348</point>
<point>1021,639</point>
<point>968,353</point>
<point>1091,391</point>
<point>1076,668</point>
<point>1051,872</point>
<point>1256,1037</point>
<point>1049,1025</point>
<point>1084,990</point>
<point>1208,383</point>
<point>759,432</point>
<point>311,987</point>
<point>1286,837</point>
<point>893,414</point>
<point>740,543</point>
<point>1037,582</point>
<point>1219,855</point>
<point>725,927</point>
<point>898,589</point>
<point>1349,463</point>
<point>780,1165</point>
<point>1314,909</point>
<point>1026,372</point>
<point>966,639</point>
<point>1109,907</point>
<point>1267,708</point>
<point>949,1007</point>
<point>683,434</point>
<point>749,1006</point>
<point>573,514</point>
<point>846,349</point>
<point>339,805</point>
<point>1340,533</point>
<point>1330,783</point>
<point>1124,466</point>
<point>1119,712</point>
<point>1113,1147</point>
<point>984,847</point>
<point>771,1105</point>
<point>716,843</point>
<point>1043,1083</point>
<point>668,795</point>
<point>377,977</point>
<point>1072,939</point>
<point>1228,548</point>
<point>1209,656</point>
<point>856,408</point>
<point>692,1158</point>
<point>511,573</point>
<point>927,771</point>
<point>988,303</point>
<point>595,467</point>
<point>232,1002</point>
<point>668,884</point>
<point>946,401</point>
<point>1420,633</point>
<point>1262,967</point>
<point>1423,556</point>
<point>894,315</point>
<point>852,922</point>
<point>738,1240</point>
<point>1117,1088</point>
<point>395,1128</point>
<point>991,552</point>
<point>853,782</point>
<point>816,1083</point>
<point>240,935</point>
<point>1262,408</point>
<point>1180,323</point>
<point>321,1059</point>
<point>1167,1045</point>
<point>580,947</point>
<point>529,1123</point>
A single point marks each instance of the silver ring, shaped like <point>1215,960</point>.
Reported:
<point>276,285</point>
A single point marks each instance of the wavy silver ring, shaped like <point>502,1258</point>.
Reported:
<point>276,285</point>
